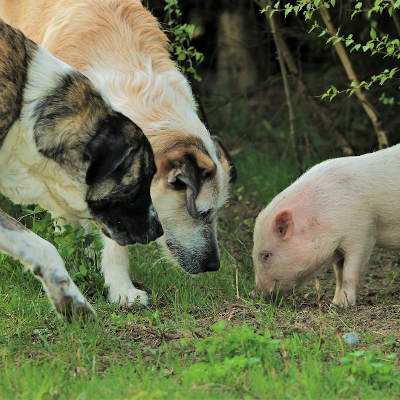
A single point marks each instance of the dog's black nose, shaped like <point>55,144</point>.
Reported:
<point>159,231</point>
<point>155,228</point>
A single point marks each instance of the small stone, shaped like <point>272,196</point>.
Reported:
<point>351,338</point>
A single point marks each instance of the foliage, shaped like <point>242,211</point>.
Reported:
<point>187,56</point>
<point>378,370</point>
<point>380,43</point>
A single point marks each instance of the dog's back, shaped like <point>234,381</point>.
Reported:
<point>45,21</point>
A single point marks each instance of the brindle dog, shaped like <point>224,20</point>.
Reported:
<point>119,45</point>
<point>63,147</point>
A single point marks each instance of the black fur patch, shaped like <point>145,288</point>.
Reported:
<point>16,52</point>
<point>111,151</point>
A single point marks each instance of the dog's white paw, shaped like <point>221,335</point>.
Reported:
<point>127,297</point>
<point>67,298</point>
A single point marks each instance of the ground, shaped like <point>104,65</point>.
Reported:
<point>202,337</point>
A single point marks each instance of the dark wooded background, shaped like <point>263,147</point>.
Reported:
<point>242,90</point>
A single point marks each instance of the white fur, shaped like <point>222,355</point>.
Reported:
<point>44,73</point>
<point>115,267</point>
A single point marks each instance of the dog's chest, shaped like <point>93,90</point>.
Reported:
<point>26,177</point>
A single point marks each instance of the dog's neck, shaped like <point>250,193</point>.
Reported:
<point>160,103</point>
<point>27,177</point>
<point>155,100</point>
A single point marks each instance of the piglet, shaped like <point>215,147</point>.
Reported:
<point>335,213</point>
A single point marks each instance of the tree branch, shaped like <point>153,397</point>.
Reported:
<point>352,76</point>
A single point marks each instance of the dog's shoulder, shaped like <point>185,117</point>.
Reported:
<point>16,53</point>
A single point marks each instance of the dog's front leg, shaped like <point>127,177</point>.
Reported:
<point>115,267</point>
<point>43,260</point>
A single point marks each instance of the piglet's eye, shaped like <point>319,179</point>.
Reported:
<point>265,256</point>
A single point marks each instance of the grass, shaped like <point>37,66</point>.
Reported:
<point>198,340</point>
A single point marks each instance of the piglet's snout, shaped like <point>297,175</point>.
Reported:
<point>265,287</point>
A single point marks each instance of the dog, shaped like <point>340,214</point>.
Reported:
<point>63,147</point>
<point>119,45</point>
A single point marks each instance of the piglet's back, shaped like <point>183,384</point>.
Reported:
<point>348,185</point>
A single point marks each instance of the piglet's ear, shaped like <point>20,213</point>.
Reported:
<point>284,224</point>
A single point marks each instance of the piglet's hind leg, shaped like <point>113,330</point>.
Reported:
<point>43,260</point>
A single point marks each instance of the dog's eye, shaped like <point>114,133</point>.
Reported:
<point>206,215</point>
<point>178,185</point>
<point>207,174</point>
<point>265,256</point>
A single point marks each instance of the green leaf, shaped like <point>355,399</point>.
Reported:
<point>288,9</point>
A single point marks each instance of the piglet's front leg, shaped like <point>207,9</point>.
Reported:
<point>43,260</point>
<point>347,272</point>
<point>345,294</point>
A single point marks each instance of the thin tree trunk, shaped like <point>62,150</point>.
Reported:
<point>352,76</point>
<point>286,85</point>
<point>319,113</point>
<point>396,19</point>
<point>236,66</point>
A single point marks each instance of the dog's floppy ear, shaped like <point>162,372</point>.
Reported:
<point>105,153</point>
<point>223,152</point>
<point>186,175</point>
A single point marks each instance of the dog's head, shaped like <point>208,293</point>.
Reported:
<point>190,186</point>
<point>120,169</point>
<point>105,151</point>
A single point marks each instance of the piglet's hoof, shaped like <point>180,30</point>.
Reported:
<point>343,299</point>
<point>253,294</point>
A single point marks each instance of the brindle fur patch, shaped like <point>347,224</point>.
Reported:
<point>67,117</point>
<point>10,223</point>
<point>16,52</point>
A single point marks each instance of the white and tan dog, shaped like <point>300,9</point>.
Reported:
<point>63,147</point>
<point>119,45</point>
